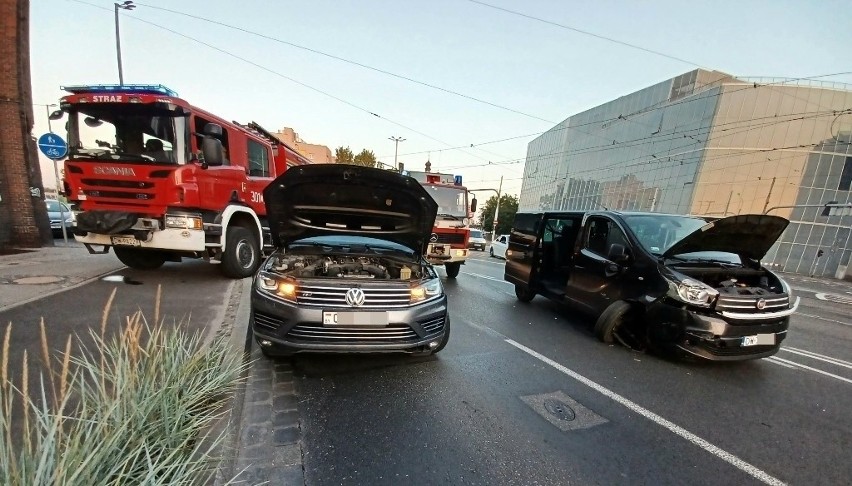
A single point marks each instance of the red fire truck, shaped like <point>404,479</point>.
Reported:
<point>451,231</point>
<point>158,179</point>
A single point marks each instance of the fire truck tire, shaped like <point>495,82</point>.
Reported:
<point>140,259</point>
<point>242,253</point>
<point>452,269</point>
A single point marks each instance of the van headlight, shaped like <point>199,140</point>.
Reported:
<point>785,287</point>
<point>426,291</point>
<point>284,289</point>
<point>693,292</point>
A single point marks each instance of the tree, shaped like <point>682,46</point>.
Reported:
<point>508,208</point>
<point>343,155</point>
<point>366,158</point>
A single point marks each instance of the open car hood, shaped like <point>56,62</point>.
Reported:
<point>747,235</point>
<point>337,199</point>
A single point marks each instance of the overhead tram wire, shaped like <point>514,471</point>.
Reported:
<point>271,71</point>
<point>662,105</point>
<point>348,61</point>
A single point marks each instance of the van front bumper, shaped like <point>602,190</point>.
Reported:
<point>717,337</point>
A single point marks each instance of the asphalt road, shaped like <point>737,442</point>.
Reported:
<point>524,394</point>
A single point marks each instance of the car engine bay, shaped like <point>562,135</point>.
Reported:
<point>346,266</point>
<point>737,281</point>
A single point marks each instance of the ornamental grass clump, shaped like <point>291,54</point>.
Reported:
<point>134,408</point>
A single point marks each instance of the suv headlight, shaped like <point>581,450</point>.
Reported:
<point>271,284</point>
<point>693,292</point>
<point>426,291</point>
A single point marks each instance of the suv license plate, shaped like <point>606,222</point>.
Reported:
<point>373,319</point>
<point>758,340</point>
<point>125,241</point>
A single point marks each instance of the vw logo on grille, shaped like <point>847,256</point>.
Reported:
<point>433,238</point>
<point>761,304</point>
<point>355,297</point>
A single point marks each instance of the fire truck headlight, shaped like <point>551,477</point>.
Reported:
<point>184,222</point>
<point>465,221</point>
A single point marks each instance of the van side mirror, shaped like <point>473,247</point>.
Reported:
<point>473,205</point>
<point>618,253</point>
<point>212,151</point>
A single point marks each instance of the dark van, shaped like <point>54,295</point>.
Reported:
<point>672,282</point>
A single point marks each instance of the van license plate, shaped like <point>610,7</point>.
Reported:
<point>759,340</point>
<point>125,241</point>
<point>372,319</point>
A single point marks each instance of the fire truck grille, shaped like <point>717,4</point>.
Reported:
<point>122,184</point>
<point>140,196</point>
<point>451,238</point>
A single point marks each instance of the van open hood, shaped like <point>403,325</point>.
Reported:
<point>747,235</point>
<point>338,199</point>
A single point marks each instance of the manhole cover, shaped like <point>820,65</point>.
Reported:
<point>37,280</point>
<point>559,409</point>
<point>839,299</point>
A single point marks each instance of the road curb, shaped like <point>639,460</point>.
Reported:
<point>263,444</point>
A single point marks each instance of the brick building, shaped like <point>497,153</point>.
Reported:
<point>23,217</point>
<point>318,154</point>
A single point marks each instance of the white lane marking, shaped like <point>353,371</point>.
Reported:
<point>478,260</point>
<point>676,429</point>
<point>487,277</point>
<point>822,318</point>
<point>811,354</point>
<point>774,361</point>
<point>839,299</point>
<point>815,370</point>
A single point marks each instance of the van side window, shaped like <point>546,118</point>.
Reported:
<point>602,234</point>
<point>258,158</point>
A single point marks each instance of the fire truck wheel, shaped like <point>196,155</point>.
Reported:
<point>452,269</point>
<point>140,259</point>
<point>242,255</point>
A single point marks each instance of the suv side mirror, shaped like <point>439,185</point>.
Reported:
<point>473,205</point>
<point>618,253</point>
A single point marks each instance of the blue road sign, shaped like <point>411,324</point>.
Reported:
<point>52,146</point>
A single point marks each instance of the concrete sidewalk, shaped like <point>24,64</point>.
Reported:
<point>31,274</point>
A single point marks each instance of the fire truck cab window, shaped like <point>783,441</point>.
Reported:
<point>199,135</point>
<point>258,157</point>
<point>451,200</point>
<point>127,132</point>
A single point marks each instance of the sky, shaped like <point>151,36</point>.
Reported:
<point>527,74</point>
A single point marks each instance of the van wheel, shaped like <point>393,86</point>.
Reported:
<point>242,254</point>
<point>611,319</point>
<point>524,294</point>
<point>140,259</point>
<point>452,269</point>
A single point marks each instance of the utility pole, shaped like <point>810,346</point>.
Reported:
<point>127,5</point>
<point>769,195</point>
<point>396,141</point>
<point>496,210</point>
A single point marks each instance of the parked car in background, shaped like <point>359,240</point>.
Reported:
<point>56,217</point>
<point>499,246</point>
<point>476,241</point>
<point>348,273</point>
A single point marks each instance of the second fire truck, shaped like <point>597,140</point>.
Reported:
<point>157,179</point>
<point>451,231</point>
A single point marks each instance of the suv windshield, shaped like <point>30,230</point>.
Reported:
<point>658,232</point>
<point>127,132</point>
<point>451,201</point>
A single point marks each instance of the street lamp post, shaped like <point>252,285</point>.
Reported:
<point>396,141</point>
<point>127,5</point>
<point>496,210</point>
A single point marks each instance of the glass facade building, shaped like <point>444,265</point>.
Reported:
<point>710,144</point>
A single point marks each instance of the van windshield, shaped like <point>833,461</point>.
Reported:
<point>659,232</point>
<point>475,233</point>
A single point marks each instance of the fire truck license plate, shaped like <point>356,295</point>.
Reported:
<point>125,241</point>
